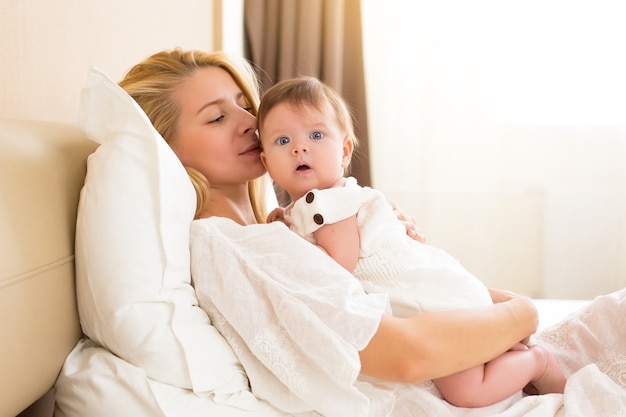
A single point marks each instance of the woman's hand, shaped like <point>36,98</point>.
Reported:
<point>521,303</point>
<point>409,223</point>
<point>500,296</point>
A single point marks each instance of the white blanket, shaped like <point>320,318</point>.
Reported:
<point>275,300</point>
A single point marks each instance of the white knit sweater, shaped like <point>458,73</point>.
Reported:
<point>417,277</point>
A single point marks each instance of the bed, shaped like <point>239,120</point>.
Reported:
<point>42,168</point>
<point>98,315</point>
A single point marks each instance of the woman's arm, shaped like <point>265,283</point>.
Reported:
<point>432,345</point>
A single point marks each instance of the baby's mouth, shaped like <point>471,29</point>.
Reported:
<point>303,167</point>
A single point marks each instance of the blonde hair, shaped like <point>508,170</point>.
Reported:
<point>304,90</point>
<point>152,84</point>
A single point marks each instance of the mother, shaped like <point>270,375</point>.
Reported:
<point>204,105</point>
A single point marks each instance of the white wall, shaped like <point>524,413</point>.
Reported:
<point>501,127</point>
<point>48,45</point>
<point>545,215</point>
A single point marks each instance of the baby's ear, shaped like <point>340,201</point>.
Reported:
<point>348,149</point>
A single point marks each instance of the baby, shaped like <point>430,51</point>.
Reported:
<point>308,139</point>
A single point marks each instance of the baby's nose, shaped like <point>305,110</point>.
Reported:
<point>300,148</point>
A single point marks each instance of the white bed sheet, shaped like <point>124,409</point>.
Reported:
<point>552,311</point>
<point>96,383</point>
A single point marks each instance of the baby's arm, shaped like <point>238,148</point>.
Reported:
<point>277,215</point>
<point>341,241</point>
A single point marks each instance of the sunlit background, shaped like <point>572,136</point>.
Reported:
<point>501,126</point>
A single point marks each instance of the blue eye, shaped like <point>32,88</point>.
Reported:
<point>283,140</point>
<point>316,135</point>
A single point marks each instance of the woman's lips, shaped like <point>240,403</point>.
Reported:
<point>252,150</point>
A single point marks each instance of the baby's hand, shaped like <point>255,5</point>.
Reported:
<point>278,214</point>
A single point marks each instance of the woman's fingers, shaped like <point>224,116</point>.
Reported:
<point>409,223</point>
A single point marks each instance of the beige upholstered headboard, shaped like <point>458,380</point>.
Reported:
<point>42,169</point>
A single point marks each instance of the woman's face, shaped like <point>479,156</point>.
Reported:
<point>215,133</point>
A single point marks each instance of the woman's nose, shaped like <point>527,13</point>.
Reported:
<point>248,122</point>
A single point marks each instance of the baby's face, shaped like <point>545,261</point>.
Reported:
<point>304,147</point>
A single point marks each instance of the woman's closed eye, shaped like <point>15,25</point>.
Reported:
<point>216,120</point>
<point>242,102</point>
<point>220,118</point>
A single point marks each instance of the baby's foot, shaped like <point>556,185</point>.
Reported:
<point>551,379</point>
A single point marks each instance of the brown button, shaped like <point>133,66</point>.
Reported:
<point>318,219</point>
<point>309,197</point>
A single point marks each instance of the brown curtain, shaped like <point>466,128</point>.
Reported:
<point>320,38</point>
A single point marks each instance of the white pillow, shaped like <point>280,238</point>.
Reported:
<point>132,250</point>
<point>95,383</point>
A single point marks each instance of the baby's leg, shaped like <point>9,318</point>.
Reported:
<point>551,379</point>
<point>502,377</point>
